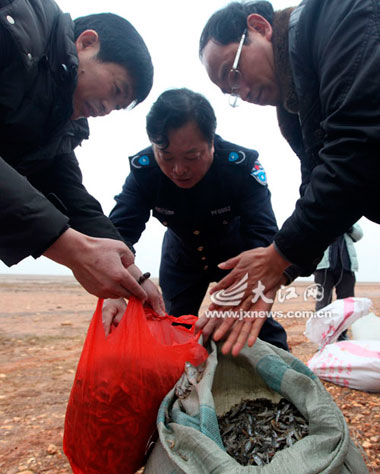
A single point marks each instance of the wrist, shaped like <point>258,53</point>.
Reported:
<point>279,260</point>
<point>67,246</point>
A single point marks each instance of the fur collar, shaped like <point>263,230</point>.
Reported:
<point>283,71</point>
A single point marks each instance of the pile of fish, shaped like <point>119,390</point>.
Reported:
<point>254,430</point>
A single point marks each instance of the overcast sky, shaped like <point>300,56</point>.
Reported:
<point>171,30</point>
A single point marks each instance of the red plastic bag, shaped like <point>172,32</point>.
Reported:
<point>119,385</point>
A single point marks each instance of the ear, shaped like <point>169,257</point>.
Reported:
<point>258,24</point>
<point>87,39</point>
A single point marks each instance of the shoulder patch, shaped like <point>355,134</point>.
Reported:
<point>236,157</point>
<point>141,161</point>
<point>258,173</point>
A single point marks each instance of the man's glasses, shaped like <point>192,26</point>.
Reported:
<point>234,76</point>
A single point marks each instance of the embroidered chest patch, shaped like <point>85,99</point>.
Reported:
<point>236,157</point>
<point>139,161</point>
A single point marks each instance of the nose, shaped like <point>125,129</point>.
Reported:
<point>179,169</point>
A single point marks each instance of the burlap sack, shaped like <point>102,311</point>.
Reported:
<point>189,439</point>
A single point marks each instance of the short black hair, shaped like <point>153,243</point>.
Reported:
<point>173,109</point>
<point>120,43</point>
<point>226,25</point>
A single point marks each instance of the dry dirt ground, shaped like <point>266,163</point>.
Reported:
<point>43,323</point>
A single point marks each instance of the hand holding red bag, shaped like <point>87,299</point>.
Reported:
<point>120,382</point>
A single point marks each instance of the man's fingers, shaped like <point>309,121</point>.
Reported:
<point>208,327</point>
<point>224,328</point>
<point>130,286</point>
<point>228,344</point>
<point>244,332</point>
<point>127,257</point>
<point>228,264</point>
<point>243,336</point>
<point>253,336</point>
<point>255,330</point>
<point>248,334</point>
<point>223,283</point>
<point>154,297</point>
<point>162,305</point>
<point>112,313</point>
<point>158,305</point>
<point>107,324</point>
<point>201,323</point>
<point>231,280</point>
<point>128,282</point>
<point>237,338</point>
<point>107,317</point>
<point>231,339</point>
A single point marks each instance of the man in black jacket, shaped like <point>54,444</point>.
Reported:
<point>211,195</point>
<point>54,74</point>
<point>318,64</point>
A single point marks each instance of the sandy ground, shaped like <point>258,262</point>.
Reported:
<point>43,323</point>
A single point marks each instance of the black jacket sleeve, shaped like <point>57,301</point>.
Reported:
<point>7,50</point>
<point>131,212</point>
<point>62,184</point>
<point>29,222</point>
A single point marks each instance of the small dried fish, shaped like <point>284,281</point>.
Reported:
<point>254,430</point>
<point>190,377</point>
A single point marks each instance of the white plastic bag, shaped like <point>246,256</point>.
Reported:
<point>367,328</point>
<point>354,364</point>
<point>325,326</point>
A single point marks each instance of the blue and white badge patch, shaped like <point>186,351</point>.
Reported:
<point>140,161</point>
<point>236,157</point>
<point>258,173</point>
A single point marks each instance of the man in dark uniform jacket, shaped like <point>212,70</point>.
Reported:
<point>54,74</point>
<point>211,195</point>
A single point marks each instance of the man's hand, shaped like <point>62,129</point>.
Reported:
<point>262,269</point>
<point>100,265</point>
<point>263,264</point>
<point>113,309</point>
<point>239,330</point>
<point>154,297</point>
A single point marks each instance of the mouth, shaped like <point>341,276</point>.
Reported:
<point>182,181</point>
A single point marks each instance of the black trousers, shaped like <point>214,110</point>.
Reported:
<point>190,300</point>
<point>344,283</point>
